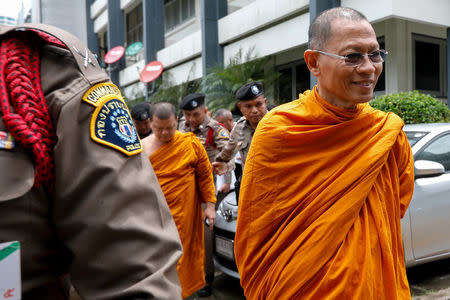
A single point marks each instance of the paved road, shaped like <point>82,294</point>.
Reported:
<point>428,282</point>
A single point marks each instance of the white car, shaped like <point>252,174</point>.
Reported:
<point>426,224</point>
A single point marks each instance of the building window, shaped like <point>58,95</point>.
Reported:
<point>102,38</point>
<point>294,79</point>
<point>429,61</point>
<point>134,32</point>
<point>178,12</point>
<point>134,25</point>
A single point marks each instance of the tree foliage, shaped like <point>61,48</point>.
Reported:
<point>221,83</point>
<point>413,107</point>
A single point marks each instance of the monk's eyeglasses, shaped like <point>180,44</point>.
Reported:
<point>356,58</point>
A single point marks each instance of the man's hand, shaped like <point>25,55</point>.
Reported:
<point>225,188</point>
<point>210,214</point>
<point>219,167</point>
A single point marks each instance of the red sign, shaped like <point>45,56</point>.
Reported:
<point>114,54</point>
<point>151,71</point>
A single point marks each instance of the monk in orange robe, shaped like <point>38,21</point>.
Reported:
<point>185,175</point>
<point>327,180</point>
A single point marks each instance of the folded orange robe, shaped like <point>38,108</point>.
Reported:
<point>185,175</point>
<point>321,200</point>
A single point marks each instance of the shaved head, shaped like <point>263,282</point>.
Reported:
<point>319,32</point>
<point>222,112</point>
<point>163,111</point>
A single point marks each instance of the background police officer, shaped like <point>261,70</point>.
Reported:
<point>253,105</point>
<point>141,118</point>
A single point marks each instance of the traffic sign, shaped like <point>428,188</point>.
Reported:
<point>114,54</point>
<point>134,48</point>
<point>151,71</point>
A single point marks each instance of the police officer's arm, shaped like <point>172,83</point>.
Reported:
<point>224,162</point>
<point>108,210</point>
<point>227,147</point>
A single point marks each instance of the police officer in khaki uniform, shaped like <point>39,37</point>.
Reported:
<point>140,113</point>
<point>213,136</point>
<point>76,190</point>
<point>253,105</point>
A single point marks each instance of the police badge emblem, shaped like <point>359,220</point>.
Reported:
<point>111,123</point>
<point>194,103</point>
<point>255,90</point>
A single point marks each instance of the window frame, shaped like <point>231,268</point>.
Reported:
<point>138,26</point>
<point>138,29</point>
<point>442,93</point>
<point>178,4</point>
<point>381,40</point>
<point>293,66</point>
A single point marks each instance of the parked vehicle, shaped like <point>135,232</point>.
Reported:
<point>425,226</point>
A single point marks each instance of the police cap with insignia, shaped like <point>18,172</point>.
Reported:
<point>192,101</point>
<point>250,91</point>
<point>141,111</point>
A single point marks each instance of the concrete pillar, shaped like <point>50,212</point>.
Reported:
<point>116,35</point>
<point>315,8</point>
<point>92,40</point>
<point>153,11</point>
<point>212,51</point>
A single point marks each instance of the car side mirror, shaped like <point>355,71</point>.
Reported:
<point>428,168</point>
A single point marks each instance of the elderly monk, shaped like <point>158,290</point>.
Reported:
<point>327,180</point>
<point>185,175</point>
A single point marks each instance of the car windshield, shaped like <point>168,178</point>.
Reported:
<point>415,136</point>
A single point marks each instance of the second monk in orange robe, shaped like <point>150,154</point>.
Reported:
<point>185,175</point>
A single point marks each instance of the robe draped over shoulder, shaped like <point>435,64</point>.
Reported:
<point>322,196</point>
<point>185,175</point>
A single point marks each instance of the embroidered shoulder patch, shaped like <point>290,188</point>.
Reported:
<point>223,133</point>
<point>111,123</point>
<point>95,94</point>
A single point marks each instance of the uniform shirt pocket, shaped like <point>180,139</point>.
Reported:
<point>17,175</point>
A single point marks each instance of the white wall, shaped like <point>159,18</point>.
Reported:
<point>430,11</point>
<point>97,7</point>
<point>256,16</point>
<point>272,40</point>
<point>181,51</point>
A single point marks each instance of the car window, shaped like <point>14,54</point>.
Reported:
<point>438,151</point>
<point>415,136</point>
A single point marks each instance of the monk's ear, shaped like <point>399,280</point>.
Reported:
<point>312,61</point>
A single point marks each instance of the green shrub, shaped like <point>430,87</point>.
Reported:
<point>413,107</point>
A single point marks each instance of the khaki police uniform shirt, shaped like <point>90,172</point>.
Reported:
<point>220,138</point>
<point>240,140</point>
<point>107,222</point>
<point>220,135</point>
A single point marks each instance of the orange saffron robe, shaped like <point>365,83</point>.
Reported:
<point>185,175</point>
<point>321,200</point>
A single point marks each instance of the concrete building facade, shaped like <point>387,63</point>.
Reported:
<point>192,34</point>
